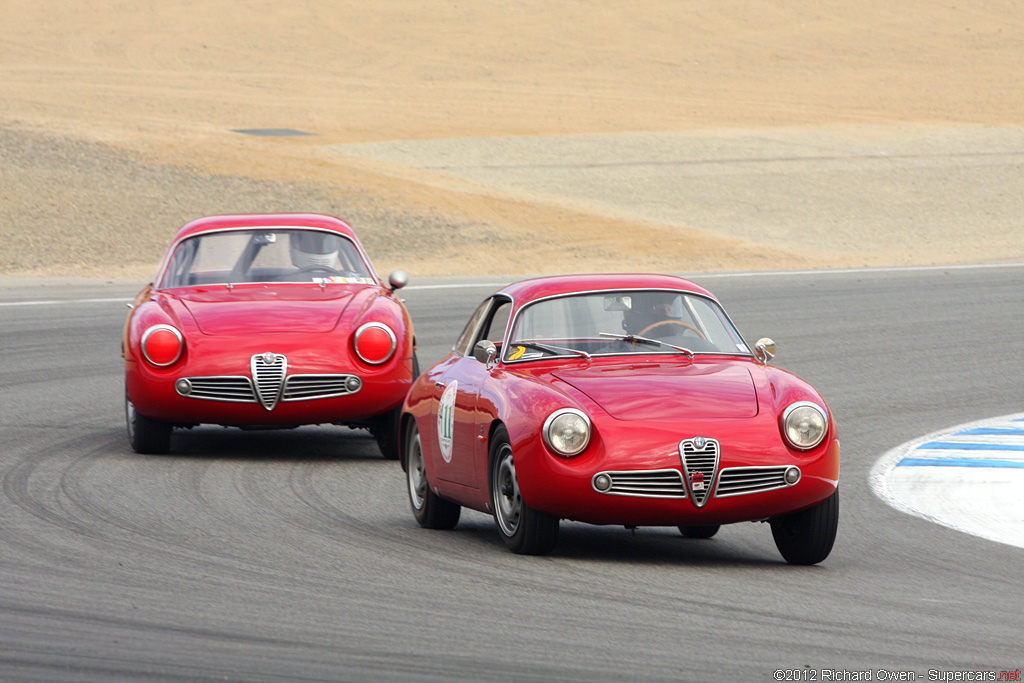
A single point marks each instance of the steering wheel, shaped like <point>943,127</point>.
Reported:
<point>318,269</point>
<point>680,323</point>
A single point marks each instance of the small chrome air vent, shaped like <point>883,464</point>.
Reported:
<point>700,464</point>
<point>308,387</point>
<point>641,483</point>
<point>268,370</point>
<point>740,481</point>
<point>231,389</point>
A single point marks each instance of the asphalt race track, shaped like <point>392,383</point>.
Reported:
<point>292,556</point>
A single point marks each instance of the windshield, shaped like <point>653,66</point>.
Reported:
<point>622,323</point>
<point>266,255</point>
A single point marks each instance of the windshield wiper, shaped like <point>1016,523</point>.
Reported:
<point>551,348</point>
<point>633,338</point>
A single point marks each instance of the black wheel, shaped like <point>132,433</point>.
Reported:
<point>430,510</point>
<point>806,537</point>
<point>146,435</point>
<point>700,531</point>
<point>524,530</point>
<point>385,431</point>
<point>386,428</point>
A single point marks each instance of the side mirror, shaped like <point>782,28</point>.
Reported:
<point>485,351</point>
<point>398,279</point>
<point>764,350</point>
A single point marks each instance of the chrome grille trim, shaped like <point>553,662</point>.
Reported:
<point>644,484</point>
<point>309,387</point>
<point>700,462</point>
<point>268,371</point>
<point>225,388</point>
<point>741,481</point>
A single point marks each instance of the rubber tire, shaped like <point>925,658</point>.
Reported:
<point>531,532</point>
<point>387,428</point>
<point>147,436</point>
<point>429,509</point>
<point>806,537</point>
<point>700,530</point>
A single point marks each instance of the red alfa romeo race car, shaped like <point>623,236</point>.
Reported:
<point>619,399</point>
<point>266,321</point>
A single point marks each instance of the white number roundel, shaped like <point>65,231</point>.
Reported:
<point>446,420</point>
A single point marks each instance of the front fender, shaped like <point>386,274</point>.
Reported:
<point>522,404</point>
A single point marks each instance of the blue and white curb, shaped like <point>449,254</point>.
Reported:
<point>969,478</point>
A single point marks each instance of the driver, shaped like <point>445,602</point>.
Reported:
<point>652,314</point>
<point>314,250</point>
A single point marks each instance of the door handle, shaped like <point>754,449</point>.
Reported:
<point>439,385</point>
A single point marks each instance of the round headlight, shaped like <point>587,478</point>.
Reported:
<point>375,343</point>
<point>162,345</point>
<point>804,424</point>
<point>567,431</point>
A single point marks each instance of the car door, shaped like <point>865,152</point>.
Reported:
<point>461,438</point>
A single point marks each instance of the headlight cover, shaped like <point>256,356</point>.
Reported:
<point>375,343</point>
<point>567,431</point>
<point>162,345</point>
<point>804,425</point>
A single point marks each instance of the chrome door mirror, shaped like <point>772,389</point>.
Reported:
<point>764,350</point>
<point>485,351</point>
<point>398,279</point>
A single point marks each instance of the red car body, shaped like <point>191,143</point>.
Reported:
<point>237,334</point>
<point>646,406</point>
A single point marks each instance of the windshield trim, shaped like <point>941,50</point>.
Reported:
<point>650,352</point>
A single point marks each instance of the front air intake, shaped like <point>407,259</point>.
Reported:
<point>268,370</point>
<point>640,483</point>
<point>700,465</point>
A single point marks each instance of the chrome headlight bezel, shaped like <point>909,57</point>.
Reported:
<point>161,327</point>
<point>376,326</point>
<point>795,421</point>
<point>555,443</point>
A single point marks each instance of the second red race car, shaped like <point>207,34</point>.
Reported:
<point>619,399</point>
<point>266,321</point>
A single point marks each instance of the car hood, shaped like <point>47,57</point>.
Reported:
<point>264,309</point>
<point>665,392</point>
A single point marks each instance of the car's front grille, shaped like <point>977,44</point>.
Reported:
<point>268,370</point>
<point>700,459</point>
<point>232,389</point>
<point>271,385</point>
<point>740,481</point>
<point>308,387</point>
<point>700,464</point>
<point>644,483</point>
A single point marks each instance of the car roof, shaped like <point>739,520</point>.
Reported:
<point>537,288</point>
<point>257,220</point>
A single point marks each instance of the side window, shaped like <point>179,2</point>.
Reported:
<point>495,328</point>
<point>464,345</point>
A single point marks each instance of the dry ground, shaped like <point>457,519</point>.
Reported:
<point>117,117</point>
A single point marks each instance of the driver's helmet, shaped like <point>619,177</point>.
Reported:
<point>311,249</point>
<point>653,307</point>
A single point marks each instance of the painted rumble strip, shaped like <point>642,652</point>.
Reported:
<point>968,478</point>
<point>956,462</point>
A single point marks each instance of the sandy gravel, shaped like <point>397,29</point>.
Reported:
<point>118,121</point>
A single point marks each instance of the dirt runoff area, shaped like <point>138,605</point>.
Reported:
<point>522,137</point>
